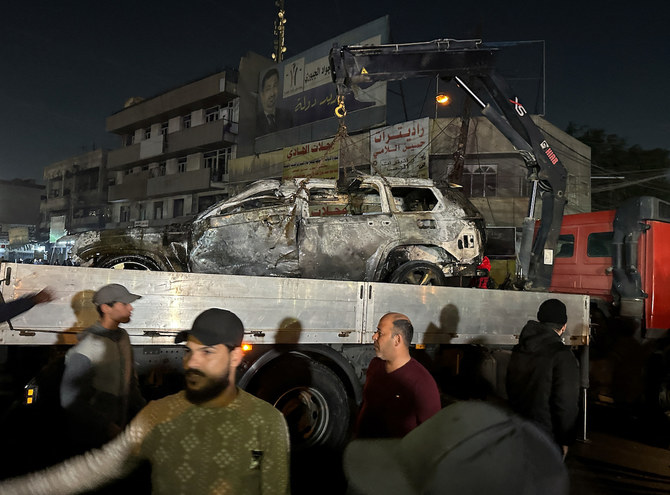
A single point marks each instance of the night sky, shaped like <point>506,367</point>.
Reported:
<point>68,65</point>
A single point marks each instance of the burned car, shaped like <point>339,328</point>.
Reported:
<point>366,228</point>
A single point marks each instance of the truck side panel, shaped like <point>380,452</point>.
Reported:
<point>273,309</point>
<point>451,315</point>
<point>276,310</point>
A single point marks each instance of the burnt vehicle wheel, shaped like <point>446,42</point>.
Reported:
<point>418,273</point>
<point>311,397</point>
<point>129,262</point>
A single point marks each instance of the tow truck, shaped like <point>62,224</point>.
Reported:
<point>312,339</point>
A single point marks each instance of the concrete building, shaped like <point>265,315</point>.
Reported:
<point>76,195</point>
<point>495,176</point>
<point>19,218</point>
<point>174,152</point>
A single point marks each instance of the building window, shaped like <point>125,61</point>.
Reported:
<point>217,162</point>
<point>178,208</point>
<point>143,211</point>
<point>124,215</point>
<point>480,181</point>
<point>158,210</point>
<point>129,139</point>
<point>147,133</point>
<point>186,121</point>
<point>181,165</point>
<point>212,114</point>
<point>87,180</point>
<point>162,167</point>
<point>164,128</point>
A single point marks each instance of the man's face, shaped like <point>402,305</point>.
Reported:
<point>384,340</point>
<point>118,312</point>
<point>208,369</point>
<point>269,93</point>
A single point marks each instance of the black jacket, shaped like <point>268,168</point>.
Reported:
<point>14,308</point>
<point>543,381</point>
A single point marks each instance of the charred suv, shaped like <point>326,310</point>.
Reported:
<point>368,228</point>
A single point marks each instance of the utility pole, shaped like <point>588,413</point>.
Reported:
<point>279,46</point>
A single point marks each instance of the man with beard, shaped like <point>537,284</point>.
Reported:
<point>208,439</point>
<point>399,393</point>
<point>99,390</point>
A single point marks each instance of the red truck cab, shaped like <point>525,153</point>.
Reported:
<point>619,258</point>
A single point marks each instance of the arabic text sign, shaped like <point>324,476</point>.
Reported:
<point>316,159</point>
<point>401,150</point>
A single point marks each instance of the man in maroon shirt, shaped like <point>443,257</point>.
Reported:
<point>399,393</point>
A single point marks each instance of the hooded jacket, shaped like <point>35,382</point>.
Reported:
<point>543,381</point>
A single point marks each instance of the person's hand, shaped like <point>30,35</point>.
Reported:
<point>565,451</point>
<point>43,296</point>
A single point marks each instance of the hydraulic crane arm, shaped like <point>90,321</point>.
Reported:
<point>472,61</point>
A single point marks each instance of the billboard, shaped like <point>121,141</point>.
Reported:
<point>401,150</point>
<point>294,101</point>
<point>318,159</point>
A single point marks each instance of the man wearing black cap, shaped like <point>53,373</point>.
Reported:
<point>543,375</point>
<point>208,439</point>
<point>99,390</point>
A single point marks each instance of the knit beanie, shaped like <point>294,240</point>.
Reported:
<point>552,311</point>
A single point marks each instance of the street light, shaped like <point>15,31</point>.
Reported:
<point>442,99</point>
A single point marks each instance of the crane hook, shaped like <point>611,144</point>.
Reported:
<point>340,111</point>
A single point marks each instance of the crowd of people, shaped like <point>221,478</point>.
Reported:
<point>213,437</point>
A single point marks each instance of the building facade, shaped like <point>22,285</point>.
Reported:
<point>174,153</point>
<point>76,195</point>
<point>19,219</point>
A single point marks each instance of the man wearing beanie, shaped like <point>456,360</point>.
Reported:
<point>543,375</point>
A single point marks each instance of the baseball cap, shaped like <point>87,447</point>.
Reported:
<point>552,311</point>
<point>215,326</point>
<point>113,293</point>
<point>467,447</point>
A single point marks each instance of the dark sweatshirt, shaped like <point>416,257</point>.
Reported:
<point>543,381</point>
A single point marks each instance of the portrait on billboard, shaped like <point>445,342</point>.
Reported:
<point>270,117</point>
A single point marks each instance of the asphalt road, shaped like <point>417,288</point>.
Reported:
<point>606,464</point>
<point>623,453</point>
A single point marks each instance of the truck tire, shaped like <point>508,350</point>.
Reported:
<point>418,273</point>
<point>129,262</point>
<point>312,398</point>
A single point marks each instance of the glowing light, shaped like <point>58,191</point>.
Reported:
<point>443,99</point>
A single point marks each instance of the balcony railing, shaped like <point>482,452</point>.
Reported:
<point>196,180</point>
<point>133,187</point>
